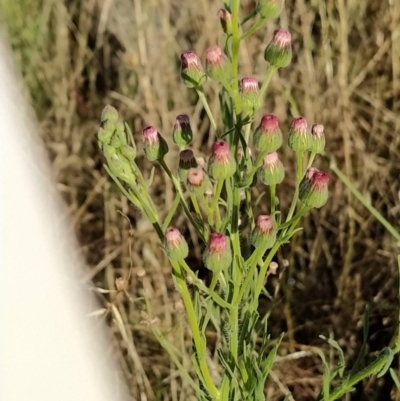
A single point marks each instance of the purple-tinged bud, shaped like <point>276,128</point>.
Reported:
<point>271,171</point>
<point>270,9</point>
<point>192,72</point>
<point>313,189</point>
<point>264,233</point>
<point>154,145</point>
<point>268,136</point>
<point>182,134</point>
<point>196,181</point>
<point>318,138</point>
<point>186,162</point>
<point>218,255</point>
<point>299,137</point>
<point>221,164</point>
<point>279,52</point>
<point>217,65</point>
<point>110,114</point>
<point>225,18</point>
<point>249,95</point>
<point>176,246</point>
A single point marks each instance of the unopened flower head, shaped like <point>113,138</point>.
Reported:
<point>196,180</point>
<point>313,189</point>
<point>264,233</point>
<point>154,145</point>
<point>182,134</point>
<point>218,254</point>
<point>317,138</point>
<point>175,245</point>
<point>299,138</point>
<point>279,52</point>
<point>217,65</point>
<point>225,18</point>
<point>268,136</point>
<point>249,94</point>
<point>271,171</point>
<point>110,114</point>
<point>221,164</point>
<point>269,9</point>
<point>186,162</point>
<point>192,72</point>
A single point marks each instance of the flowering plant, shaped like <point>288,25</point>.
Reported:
<point>240,242</point>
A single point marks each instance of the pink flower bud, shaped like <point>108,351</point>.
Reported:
<point>264,233</point>
<point>182,133</point>
<point>196,180</point>
<point>249,94</point>
<point>279,52</point>
<point>176,247</point>
<point>270,9</point>
<point>218,254</point>
<point>192,72</point>
<point>217,65</point>
<point>154,145</point>
<point>186,162</point>
<point>299,138</point>
<point>225,18</point>
<point>272,171</point>
<point>317,138</point>
<point>222,164</point>
<point>268,136</point>
<point>313,189</point>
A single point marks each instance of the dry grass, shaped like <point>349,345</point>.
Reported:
<point>76,56</point>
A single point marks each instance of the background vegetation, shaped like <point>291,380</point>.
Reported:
<point>78,55</point>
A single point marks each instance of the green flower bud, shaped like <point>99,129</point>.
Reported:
<point>217,64</point>
<point>186,162</point>
<point>279,52</point>
<point>318,138</point>
<point>270,9</point>
<point>155,147</point>
<point>225,18</point>
<point>119,138</point>
<point>218,254</point>
<point>271,172</point>
<point>313,189</point>
<point>249,95</point>
<point>192,73</point>
<point>176,246</point>
<point>129,152</point>
<point>221,164</point>
<point>182,134</point>
<point>110,114</point>
<point>264,233</point>
<point>299,138</point>
<point>268,136</point>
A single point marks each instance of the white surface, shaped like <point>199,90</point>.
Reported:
<point>49,349</point>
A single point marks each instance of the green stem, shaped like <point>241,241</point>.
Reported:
<point>253,29</point>
<point>270,73</point>
<point>199,342</point>
<point>196,205</point>
<point>171,212</point>
<point>235,54</point>
<point>214,205</point>
<point>272,190</point>
<point>206,106</point>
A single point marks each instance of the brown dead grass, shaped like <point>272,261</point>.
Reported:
<point>346,74</point>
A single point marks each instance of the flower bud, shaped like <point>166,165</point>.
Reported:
<point>192,72</point>
<point>225,18</point>
<point>318,138</point>
<point>196,181</point>
<point>218,255</point>
<point>182,133</point>
<point>299,138</point>
<point>110,114</point>
<point>249,94</point>
<point>271,172</point>
<point>217,65</point>
<point>176,246</point>
<point>119,164</point>
<point>270,9</point>
<point>154,145</point>
<point>268,136</point>
<point>186,162</point>
<point>129,152</point>
<point>221,164</point>
<point>279,52</point>
<point>313,189</point>
<point>264,233</point>
<point>118,140</point>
